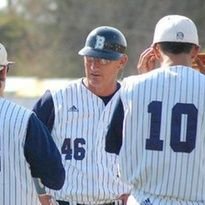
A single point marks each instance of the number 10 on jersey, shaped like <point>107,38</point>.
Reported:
<point>177,145</point>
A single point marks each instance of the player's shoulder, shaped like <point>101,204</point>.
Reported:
<point>131,78</point>
<point>141,77</point>
<point>69,86</point>
<point>197,72</point>
<point>7,102</point>
<point>12,107</point>
<point>135,79</point>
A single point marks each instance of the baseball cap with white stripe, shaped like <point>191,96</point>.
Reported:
<point>176,28</point>
<point>3,57</point>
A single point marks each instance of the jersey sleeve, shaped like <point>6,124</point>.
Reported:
<point>44,109</point>
<point>42,155</point>
<point>113,141</point>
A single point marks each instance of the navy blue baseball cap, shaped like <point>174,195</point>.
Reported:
<point>105,42</point>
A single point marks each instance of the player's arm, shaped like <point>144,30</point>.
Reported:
<point>113,138</point>
<point>42,155</point>
<point>44,109</point>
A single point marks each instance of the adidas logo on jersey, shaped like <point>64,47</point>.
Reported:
<point>73,109</point>
<point>146,202</point>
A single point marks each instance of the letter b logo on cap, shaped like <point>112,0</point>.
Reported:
<point>99,44</point>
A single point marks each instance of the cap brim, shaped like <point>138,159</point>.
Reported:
<point>10,62</point>
<point>6,63</point>
<point>96,53</point>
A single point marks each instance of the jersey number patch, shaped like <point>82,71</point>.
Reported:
<point>189,111</point>
<point>73,149</point>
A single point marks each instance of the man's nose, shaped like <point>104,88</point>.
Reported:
<point>95,64</point>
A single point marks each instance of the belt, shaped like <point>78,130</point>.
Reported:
<point>110,203</point>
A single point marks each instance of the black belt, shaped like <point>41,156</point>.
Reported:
<point>67,203</point>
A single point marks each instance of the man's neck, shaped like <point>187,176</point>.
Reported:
<point>101,90</point>
<point>181,59</point>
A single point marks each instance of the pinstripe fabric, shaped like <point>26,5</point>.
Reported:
<point>169,175</point>
<point>82,116</point>
<point>16,185</point>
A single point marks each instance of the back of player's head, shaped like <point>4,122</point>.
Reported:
<point>176,28</point>
<point>105,42</point>
<point>175,47</point>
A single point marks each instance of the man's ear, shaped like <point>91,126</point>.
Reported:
<point>2,81</point>
<point>3,73</point>
<point>123,61</point>
<point>194,52</point>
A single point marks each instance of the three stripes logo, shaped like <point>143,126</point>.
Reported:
<point>73,109</point>
<point>146,202</point>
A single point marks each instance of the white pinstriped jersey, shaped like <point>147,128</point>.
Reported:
<point>81,120</point>
<point>16,184</point>
<point>163,151</point>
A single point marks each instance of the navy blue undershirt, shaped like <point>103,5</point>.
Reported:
<point>42,154</point>
<point>44,108</point>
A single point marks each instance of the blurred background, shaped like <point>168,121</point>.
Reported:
<point>43,37</point>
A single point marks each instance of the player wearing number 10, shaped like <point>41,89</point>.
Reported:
<point>163,148</point>
<point>76,116</point>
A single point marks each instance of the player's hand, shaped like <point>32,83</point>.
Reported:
<point>200,65</point>
<point>147,61</point>
<point>132,201</point>
<point>124,198</point>
<point>47,199</point>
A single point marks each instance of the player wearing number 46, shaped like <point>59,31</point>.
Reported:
<point>26,149</point>
<point>76,116</point>
<point>163,147</point>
